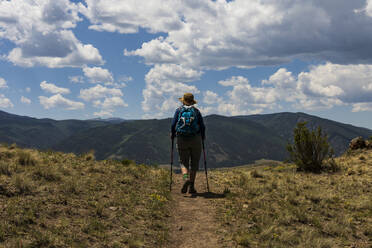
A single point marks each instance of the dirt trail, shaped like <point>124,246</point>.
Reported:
<point>193,217</point>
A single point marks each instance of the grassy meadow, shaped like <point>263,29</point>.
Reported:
<point>275,206</point>
<point>51,199</point>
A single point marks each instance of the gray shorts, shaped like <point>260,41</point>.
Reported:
<point>189,150</point>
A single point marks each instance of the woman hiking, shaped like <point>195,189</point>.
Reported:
<point>188,127</point>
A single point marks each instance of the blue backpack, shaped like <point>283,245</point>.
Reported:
<point>188,123</point>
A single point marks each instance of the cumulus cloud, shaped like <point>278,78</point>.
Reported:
<point>129,16</point>
<point>25,100</point>
<point>59,101</point>
<point>234,81</point>
<point>3,83</point>
<point>51,88</point>
<point>221,34</point>
<point>41,32</point>
<point>322,87</point>
<point>172,72</point>
<point>5,102</point>
<point>282,78</point>
<point>349,83</point>
<point>164,84</point>
<point>98,92</point>
<point>104,113</point>
<point>98,75</point>
<point>210,97</point>
<point>368,8</point>
<point>76,79</point>
<point>244,98</point>
<point>359,107</point>
<point>216,35</point>
<point>107,99</point>
<point>110,103</point>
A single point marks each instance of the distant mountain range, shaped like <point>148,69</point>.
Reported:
<point>230,141</point>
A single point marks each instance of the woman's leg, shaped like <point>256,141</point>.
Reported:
<point>184,160</point>
<point>195,158</point>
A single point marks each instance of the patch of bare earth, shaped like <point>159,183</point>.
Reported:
<point>193,216</point>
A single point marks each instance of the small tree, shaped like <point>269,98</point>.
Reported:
<point>310,148</point>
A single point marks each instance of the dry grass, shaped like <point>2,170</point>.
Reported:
<point>275,206</point>
<point>51,199</point>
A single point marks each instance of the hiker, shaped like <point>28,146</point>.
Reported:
<point>188,127</point>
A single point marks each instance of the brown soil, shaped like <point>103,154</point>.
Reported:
<point>193,217</point>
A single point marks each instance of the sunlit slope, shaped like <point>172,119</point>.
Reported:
<point>275,206</point>
<point>39,133</point>
<point>50,199</point>
<point>229,141</point>
<point>339,134</point>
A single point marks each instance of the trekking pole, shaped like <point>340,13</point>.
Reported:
<point>205,166</point>
<point>171,168</point>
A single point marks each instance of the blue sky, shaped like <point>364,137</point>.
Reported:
<point>133,59</point>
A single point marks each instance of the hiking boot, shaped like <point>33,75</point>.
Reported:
<point>192,189</point>
<point>185,187</point>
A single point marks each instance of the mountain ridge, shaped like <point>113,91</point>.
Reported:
<point>231,141</point>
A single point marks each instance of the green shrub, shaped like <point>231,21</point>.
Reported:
<point>256,174</point>
<point>90,155</point>
<point>127,162</point>
<point>310,149</point>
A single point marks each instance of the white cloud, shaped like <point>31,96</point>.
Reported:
<point>245,99</point>
<point>5,102</point>
<point>125,79</point>
<point>25,100</point>
<point>359,107</point>
<point>51,88</point>
<point>210,97</point>
<point>98,92</point>
<point>110,103</point>
<point>75,55</point>
<point>40,31</point>
<point>76,79</point>
<point>3,83</point>
<point>172,72</point>
<point>107,99</point>
<point>349,83</point>
<point>104,113</point>
<point>368,8</point>
<point>164,85</point>
<point>130,15</point>
<point>116,85</point>
<point>282,78</point>
<point>221,34</point>
<point>98,75</point>
<point>28,89</point>
<point>210,35</point>
<point>59,101</point>
<point>234,81</point>
<point>322,87</point>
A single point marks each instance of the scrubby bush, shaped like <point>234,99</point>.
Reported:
<point>310,149</point>
<point>25,158</point>
<point>127,162</point>
<point>89,156</point>
<point>5,169</point>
